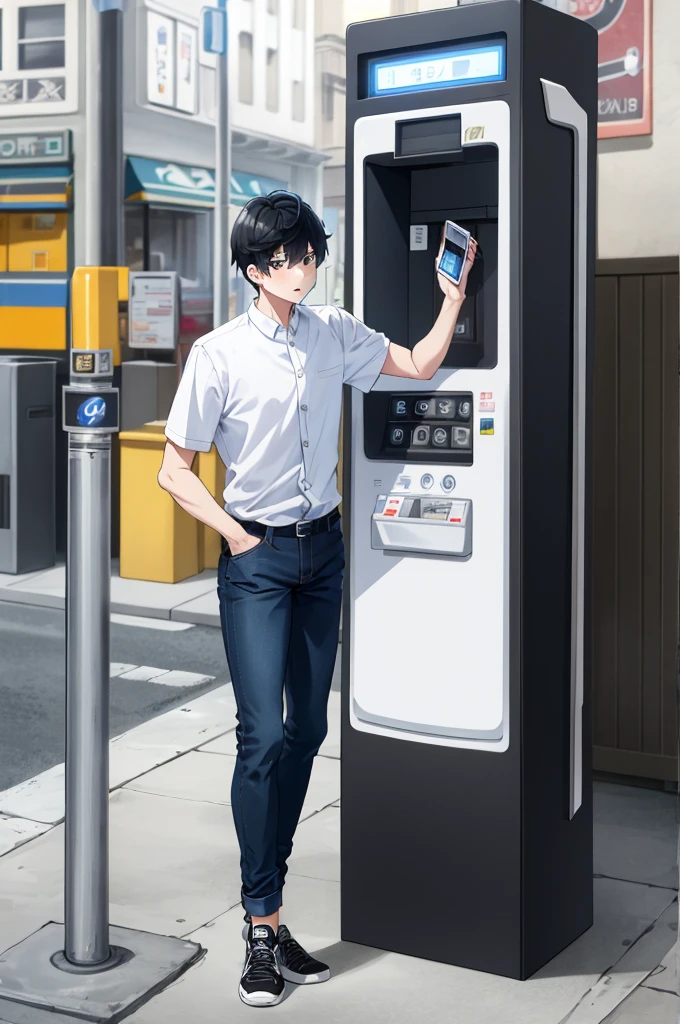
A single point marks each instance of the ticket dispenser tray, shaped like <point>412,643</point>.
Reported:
<point>427,525</point>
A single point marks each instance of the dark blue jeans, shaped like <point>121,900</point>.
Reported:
<point>280,615</point>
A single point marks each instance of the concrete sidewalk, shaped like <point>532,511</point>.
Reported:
<point>193,600</point>
<point>175,871</point>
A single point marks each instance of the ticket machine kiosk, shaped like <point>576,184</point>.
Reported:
<point>466,809</point>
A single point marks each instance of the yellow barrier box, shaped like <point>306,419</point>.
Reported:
<point>159,541</point>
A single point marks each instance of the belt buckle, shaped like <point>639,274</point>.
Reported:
<point>306,524</point>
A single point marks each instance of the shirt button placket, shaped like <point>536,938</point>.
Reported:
<point>303,424</point>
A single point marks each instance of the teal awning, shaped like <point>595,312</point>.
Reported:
<point>150,181</point>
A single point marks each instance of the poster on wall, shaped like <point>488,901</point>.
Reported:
<point>160,59</point>
<point>154,309</point>
<point>187,63</point>
<point>624,64</point>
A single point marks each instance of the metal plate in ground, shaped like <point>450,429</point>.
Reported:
<point>30,979</point>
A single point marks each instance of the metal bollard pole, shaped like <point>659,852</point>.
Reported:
<point>221,277</point>
<point>86,884</point>
<point>90,416</point>
<point>119,968</point>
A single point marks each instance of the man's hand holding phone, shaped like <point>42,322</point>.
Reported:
<point>452,291</point>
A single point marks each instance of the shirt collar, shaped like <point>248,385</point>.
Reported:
<point>271,328</point>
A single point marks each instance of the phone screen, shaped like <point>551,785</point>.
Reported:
<point>454,253</point>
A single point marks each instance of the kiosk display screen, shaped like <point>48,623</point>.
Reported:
<point>466,64</point>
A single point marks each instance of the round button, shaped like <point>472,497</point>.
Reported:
<point>292,344</point>
<point>464,410</point>
<point>448,483</point>
<point>300,373</point>
<point>306,444</point>
<point>426,481</point>
<point>440,436</point>
<point>304,408</point>
<point>397,435</point>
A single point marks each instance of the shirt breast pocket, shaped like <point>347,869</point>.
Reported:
<point>330,371</point>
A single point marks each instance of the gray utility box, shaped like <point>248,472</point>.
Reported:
<point>27,440</point>
<point>147,391</point>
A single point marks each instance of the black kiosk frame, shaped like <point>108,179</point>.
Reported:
<point>467,856</point>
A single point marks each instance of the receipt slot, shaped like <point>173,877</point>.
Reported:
<point>466,810</point>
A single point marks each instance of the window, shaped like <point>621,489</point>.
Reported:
<point>181,240</point>
<point>245,67</point>
<point>298,14</point>
<point>272,97</point>
<point>42,37</point>
<point>298,101</point>
<point>134,237</point>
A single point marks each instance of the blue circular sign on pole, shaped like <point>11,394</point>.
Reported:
<point>91,412</point>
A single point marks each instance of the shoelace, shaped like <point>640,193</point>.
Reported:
<point>261,963</point>
<point>295,956</point>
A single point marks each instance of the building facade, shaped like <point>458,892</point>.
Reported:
<point>48,119</point>
<point>332,19</point>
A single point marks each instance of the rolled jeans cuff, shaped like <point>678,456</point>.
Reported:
<point>263,907</point>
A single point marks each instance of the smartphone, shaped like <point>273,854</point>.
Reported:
<point>454,254</point>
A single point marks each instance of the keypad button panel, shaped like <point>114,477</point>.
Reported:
<point>432,426</point>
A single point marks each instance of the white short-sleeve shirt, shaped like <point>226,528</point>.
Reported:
<point>270,399</point>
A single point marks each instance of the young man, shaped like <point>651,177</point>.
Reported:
<point>267,389</point>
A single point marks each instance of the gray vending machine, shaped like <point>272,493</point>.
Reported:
<point>466,801</point>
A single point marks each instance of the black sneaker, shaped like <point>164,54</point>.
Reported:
<point>262,983</point>
<point>295,962</point>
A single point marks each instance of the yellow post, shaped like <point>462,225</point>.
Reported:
<point>159,541</point>
<point>94,309</point>
<point>4,236</point>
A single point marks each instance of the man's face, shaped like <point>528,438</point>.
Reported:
<point>284,281</point>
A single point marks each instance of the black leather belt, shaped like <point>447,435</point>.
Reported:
<point>303,528</point>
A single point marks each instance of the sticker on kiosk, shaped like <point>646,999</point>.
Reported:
<point>393,506</point>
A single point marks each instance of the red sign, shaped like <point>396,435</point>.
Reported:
<point>625,64</point>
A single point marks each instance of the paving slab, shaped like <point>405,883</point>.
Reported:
<point>174,863</point>
<point>203,610</point>
<point>646,1007</point>
<point>161,739</point>
<point>316,847</point>
<point>15,1013</point>
<point>634,967</point>
<point>17,831</point>
<point>636,835</point>
<point>225,744</point>
<point>665,977</point>
<point>367,984</point>
<point>8,579</point>
<point>128,597</point>
<point>46,589</point>
<point>204,777</point>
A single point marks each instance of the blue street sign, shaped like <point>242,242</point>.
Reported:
<point>215,30</point>
<point>108,5</point>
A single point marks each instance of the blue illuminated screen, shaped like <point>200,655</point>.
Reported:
<point>465,64</point>
<point>452,264</point>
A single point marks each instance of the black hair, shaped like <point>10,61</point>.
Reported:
<point>269,223</point>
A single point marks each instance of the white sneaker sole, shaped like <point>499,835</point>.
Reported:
<point>259,998</point>
<point>303,979</point>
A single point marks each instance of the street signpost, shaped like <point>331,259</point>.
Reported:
<point>215,40</point>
